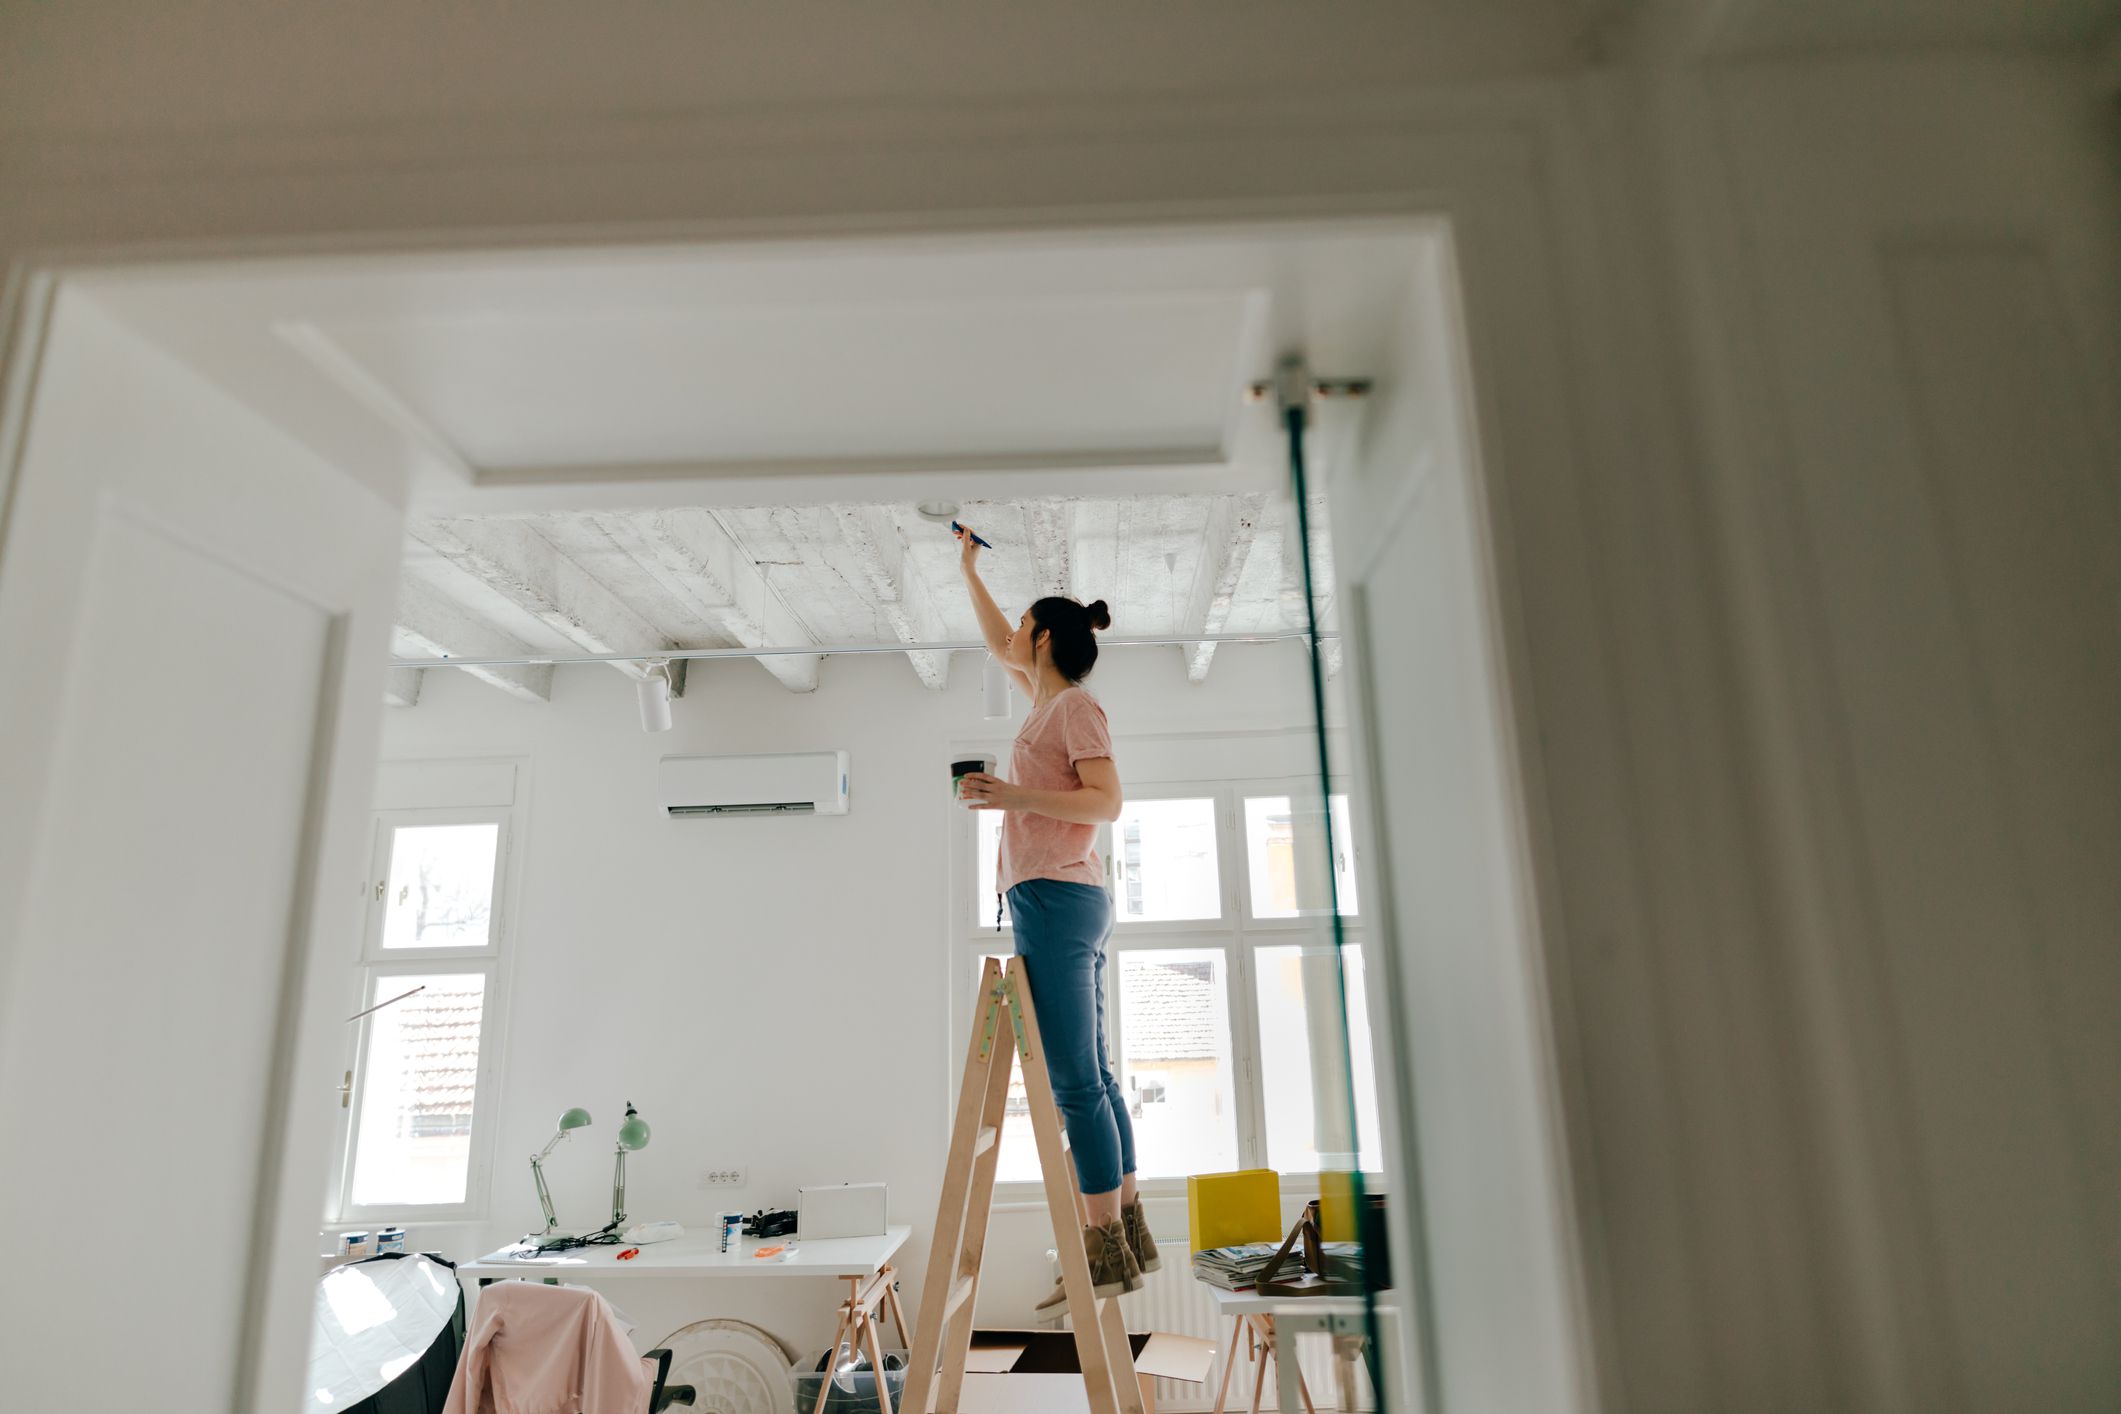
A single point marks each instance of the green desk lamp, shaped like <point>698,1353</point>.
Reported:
<point>574,1119</point>
<point>633,1134</point>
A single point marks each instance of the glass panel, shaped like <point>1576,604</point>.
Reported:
<point>986,861</point>
<point>1286,1073</point>
<point>1330,1043</point>
<point>440,892</point>
<point>417,1083</point>
<point>1270,856</point>
<point>1165,856</point>
<point>1016,1156</point>
<point>1174,1059</point>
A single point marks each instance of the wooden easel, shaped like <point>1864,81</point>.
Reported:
<point>1005,1031</point>
<point>861,1319</point>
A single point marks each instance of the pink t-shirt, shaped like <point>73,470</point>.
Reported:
<point>1067,729</point>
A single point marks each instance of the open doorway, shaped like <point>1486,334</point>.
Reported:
<point>670,503</point>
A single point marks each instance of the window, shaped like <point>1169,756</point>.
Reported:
<point>419,1082</point>
<point>1289,1093</point>
<point>987,832</point>
<point>1164,864</point>
<point>1174,1061</point>
<point>1271,858</point>
<point>1210,964</point>
<point>413,1121</point>
<point>1016,1153</point>
<point>439,892</point>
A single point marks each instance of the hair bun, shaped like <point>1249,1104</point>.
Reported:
<point>1100,616</point>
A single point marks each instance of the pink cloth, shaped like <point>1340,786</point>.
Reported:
<point>538,1349</point>
<point>1068,728</point>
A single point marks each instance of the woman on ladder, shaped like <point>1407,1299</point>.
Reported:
<point>1062,785</point>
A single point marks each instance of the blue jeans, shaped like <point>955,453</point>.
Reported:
<point>1060,934</point>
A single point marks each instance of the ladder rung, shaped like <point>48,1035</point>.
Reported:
<point>987,1137</point>
<point>960,1293</point>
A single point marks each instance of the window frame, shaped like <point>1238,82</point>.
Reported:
<point>1237,934</point>
<point>490,960</point>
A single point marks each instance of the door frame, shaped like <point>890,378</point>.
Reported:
<point>1474,164</point>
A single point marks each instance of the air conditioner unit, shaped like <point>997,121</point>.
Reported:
<point>800,783</point>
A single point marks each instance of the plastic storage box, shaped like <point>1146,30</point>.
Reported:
<point>810,1374</point>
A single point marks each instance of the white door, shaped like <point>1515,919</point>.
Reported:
<point>193,617</point>
<point>1491,1279</point>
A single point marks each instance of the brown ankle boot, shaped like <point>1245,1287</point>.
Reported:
<point>1136,1223</point>
<point>1112,1270</point>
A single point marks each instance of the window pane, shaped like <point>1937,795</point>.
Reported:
<point>987,831</point>
<point>1174,1064</point>
<point>1285,1069</point>
<point>1016,1157</point>
<point>1270,854</point>
<point>1165,861</point>
<point>417,1082</point>
<point>440,893</point>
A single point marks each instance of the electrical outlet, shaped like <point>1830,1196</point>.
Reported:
<point>722,1178</point>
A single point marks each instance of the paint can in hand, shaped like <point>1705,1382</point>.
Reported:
<point>961,769</point>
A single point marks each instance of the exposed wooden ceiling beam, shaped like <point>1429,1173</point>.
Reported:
<point>429,622</point>
<point>692,554</point>
<point>1233,527</point>
<point>893,579</point>
<point>401,686</point>
<point>520,564</point>
<point>1049,532</point>
<point>1094,560</point>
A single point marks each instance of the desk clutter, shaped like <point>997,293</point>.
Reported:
<point>1336,1245</point>
<point>1236,1267</point>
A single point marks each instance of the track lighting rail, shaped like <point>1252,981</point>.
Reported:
<point>835,650</point>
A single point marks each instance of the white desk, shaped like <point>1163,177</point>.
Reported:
<point>698,1255</point>
<point>864,1263</point>
<point>1248,1310</point>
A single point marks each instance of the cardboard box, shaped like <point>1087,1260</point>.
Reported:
<point>1037,1372</point>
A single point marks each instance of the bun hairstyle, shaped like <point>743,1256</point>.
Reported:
<point>1071,633</point>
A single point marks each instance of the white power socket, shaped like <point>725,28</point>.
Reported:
<point>722,1178</point>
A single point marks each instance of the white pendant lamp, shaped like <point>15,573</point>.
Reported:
<point>653,691</point>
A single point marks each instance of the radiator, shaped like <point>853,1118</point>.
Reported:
<point>1171,1300</point>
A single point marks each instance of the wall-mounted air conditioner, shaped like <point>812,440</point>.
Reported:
<point>800,783</point>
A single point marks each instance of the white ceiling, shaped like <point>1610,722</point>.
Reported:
<point>617,451</point>
<point>960,376</point>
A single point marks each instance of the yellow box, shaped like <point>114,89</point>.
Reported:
<point>1224,1209</point>
<point>1336,1208</point>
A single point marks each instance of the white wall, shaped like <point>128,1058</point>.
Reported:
<point>1899,278</point>
<point>771,993</point>
<point>165,822</point>
<point>1757,805</point>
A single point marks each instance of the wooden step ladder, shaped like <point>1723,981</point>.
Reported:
<point>1004,1032</point>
